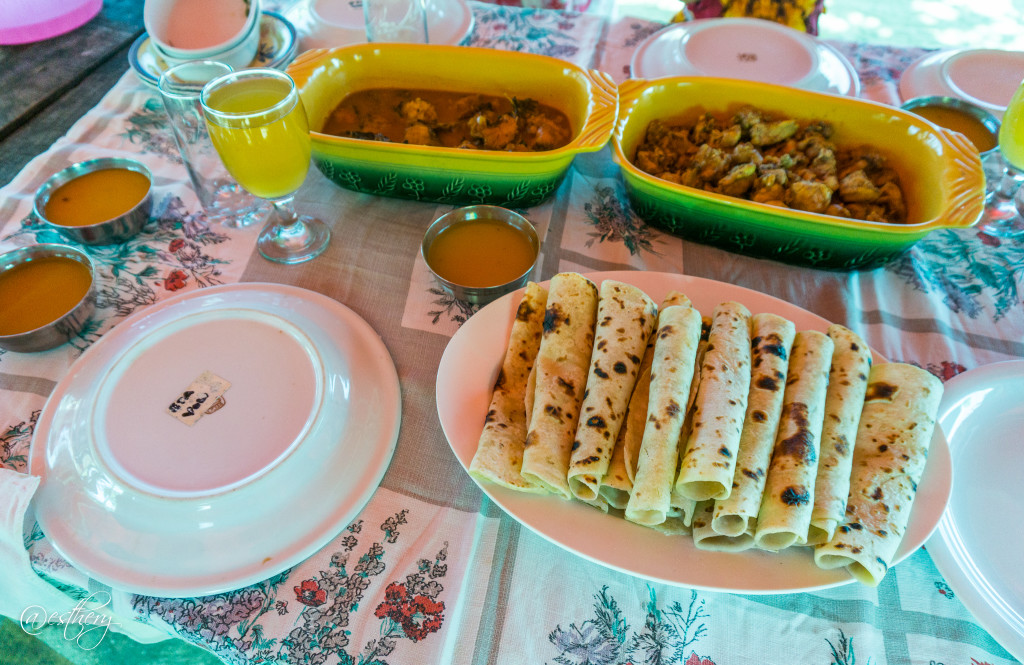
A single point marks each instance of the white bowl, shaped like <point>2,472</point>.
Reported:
<point>235,48</point>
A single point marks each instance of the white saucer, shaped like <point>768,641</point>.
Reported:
<point>745,48</point>
<point>278,45</point>
<point>985,77</point>
<point>329,23</point>
<point>978,543</point>
<point>143,502</point>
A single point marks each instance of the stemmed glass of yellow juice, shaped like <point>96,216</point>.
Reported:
<point>258,125</point>
<point>1006,199</point>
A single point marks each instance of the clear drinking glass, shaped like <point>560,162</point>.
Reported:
<point>258,125</point>
<point>223,199</point>
<point>396,21</point>
<point>1006,199</point>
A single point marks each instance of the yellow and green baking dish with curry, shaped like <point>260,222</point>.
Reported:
<point>517,174</point>
<point>939,172</point>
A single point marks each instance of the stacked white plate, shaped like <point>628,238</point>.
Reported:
<point>144,502</point>
<point>745,48</point>
<point>984,77</point>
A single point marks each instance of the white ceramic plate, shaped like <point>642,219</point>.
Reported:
<point>745,48</point>
<point>145,503</point>
<point>985,77</point>
<point>278,44</point>
<point>464,382</point>
<point>978,543</point>
<point>329,23</point>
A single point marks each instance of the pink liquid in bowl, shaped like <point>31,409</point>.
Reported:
<point>199,24</point>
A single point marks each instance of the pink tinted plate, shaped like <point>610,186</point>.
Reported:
<point>748,49</point>
<point>465,379</point>
<point>986,77</point>
<point>143,502</point>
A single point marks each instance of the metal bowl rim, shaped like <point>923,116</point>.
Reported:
<point>69,173</point>
<point>43,250</point>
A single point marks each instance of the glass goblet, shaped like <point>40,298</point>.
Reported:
<point>1003,212</point>
<point>258,125</point>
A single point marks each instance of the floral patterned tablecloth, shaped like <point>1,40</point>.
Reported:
<point>431,571</point>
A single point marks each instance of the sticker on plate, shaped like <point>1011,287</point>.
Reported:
<point>204,395</point>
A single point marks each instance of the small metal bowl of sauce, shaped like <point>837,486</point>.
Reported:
<point>979,126</point>
<point>47,293</point>
<point>479,253</point>
<point>97,202</point>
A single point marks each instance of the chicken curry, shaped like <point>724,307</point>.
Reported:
<point>449,119</point>
<point>776,161</point>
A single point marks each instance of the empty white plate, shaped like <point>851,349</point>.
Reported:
<point>748,49</point>
<point>979,540</point>
<point>330,23</point>
<point>985,77</point>
<point>143,502</point>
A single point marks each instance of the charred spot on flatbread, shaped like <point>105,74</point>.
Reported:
<point>554,318</point>
<point>758,416</point>
<point>880,390</point>
<point>801,444</point>
<point>767,383</point>
<point>568,386</point>
<point>500,381</point>
<point>795,496</point>
<point>600,372</point>
<point>620,367</point>
<point>597,422</point>
<point>525,310</point>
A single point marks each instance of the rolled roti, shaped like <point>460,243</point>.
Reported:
<point>895,432</point>
<point>706,538</point>
<point>683,508</point>
<point>788,497</point>
<point>625,320</point>
<point>561,375</point>
<point>499,455</point>
<point>736,517</point>
<point>632,449</point>
<point>709,460</point>
<point>675,352</point>
<point>847,384</point>
<point>617,483</point>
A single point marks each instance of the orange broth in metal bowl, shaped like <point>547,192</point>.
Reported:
<point>449,119</point>
<point>96,196</point>
<point>481,253</point>
<point>40,291</point>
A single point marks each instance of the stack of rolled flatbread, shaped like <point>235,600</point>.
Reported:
<point>735,429</point>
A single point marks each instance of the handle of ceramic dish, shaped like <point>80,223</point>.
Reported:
<point>304,64</point>
<point>603,112</point>
<point>965,180</point>
<point>629,92</point>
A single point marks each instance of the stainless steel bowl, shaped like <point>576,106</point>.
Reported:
<point>989,121</point>
<point>107,232</point>
<point>477,294</point>
<point>64,327</point>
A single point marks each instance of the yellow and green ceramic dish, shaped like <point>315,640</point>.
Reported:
<point>451,175</point>
<point>940,173</point>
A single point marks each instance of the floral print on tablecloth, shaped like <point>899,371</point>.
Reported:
<point>315,613</point>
